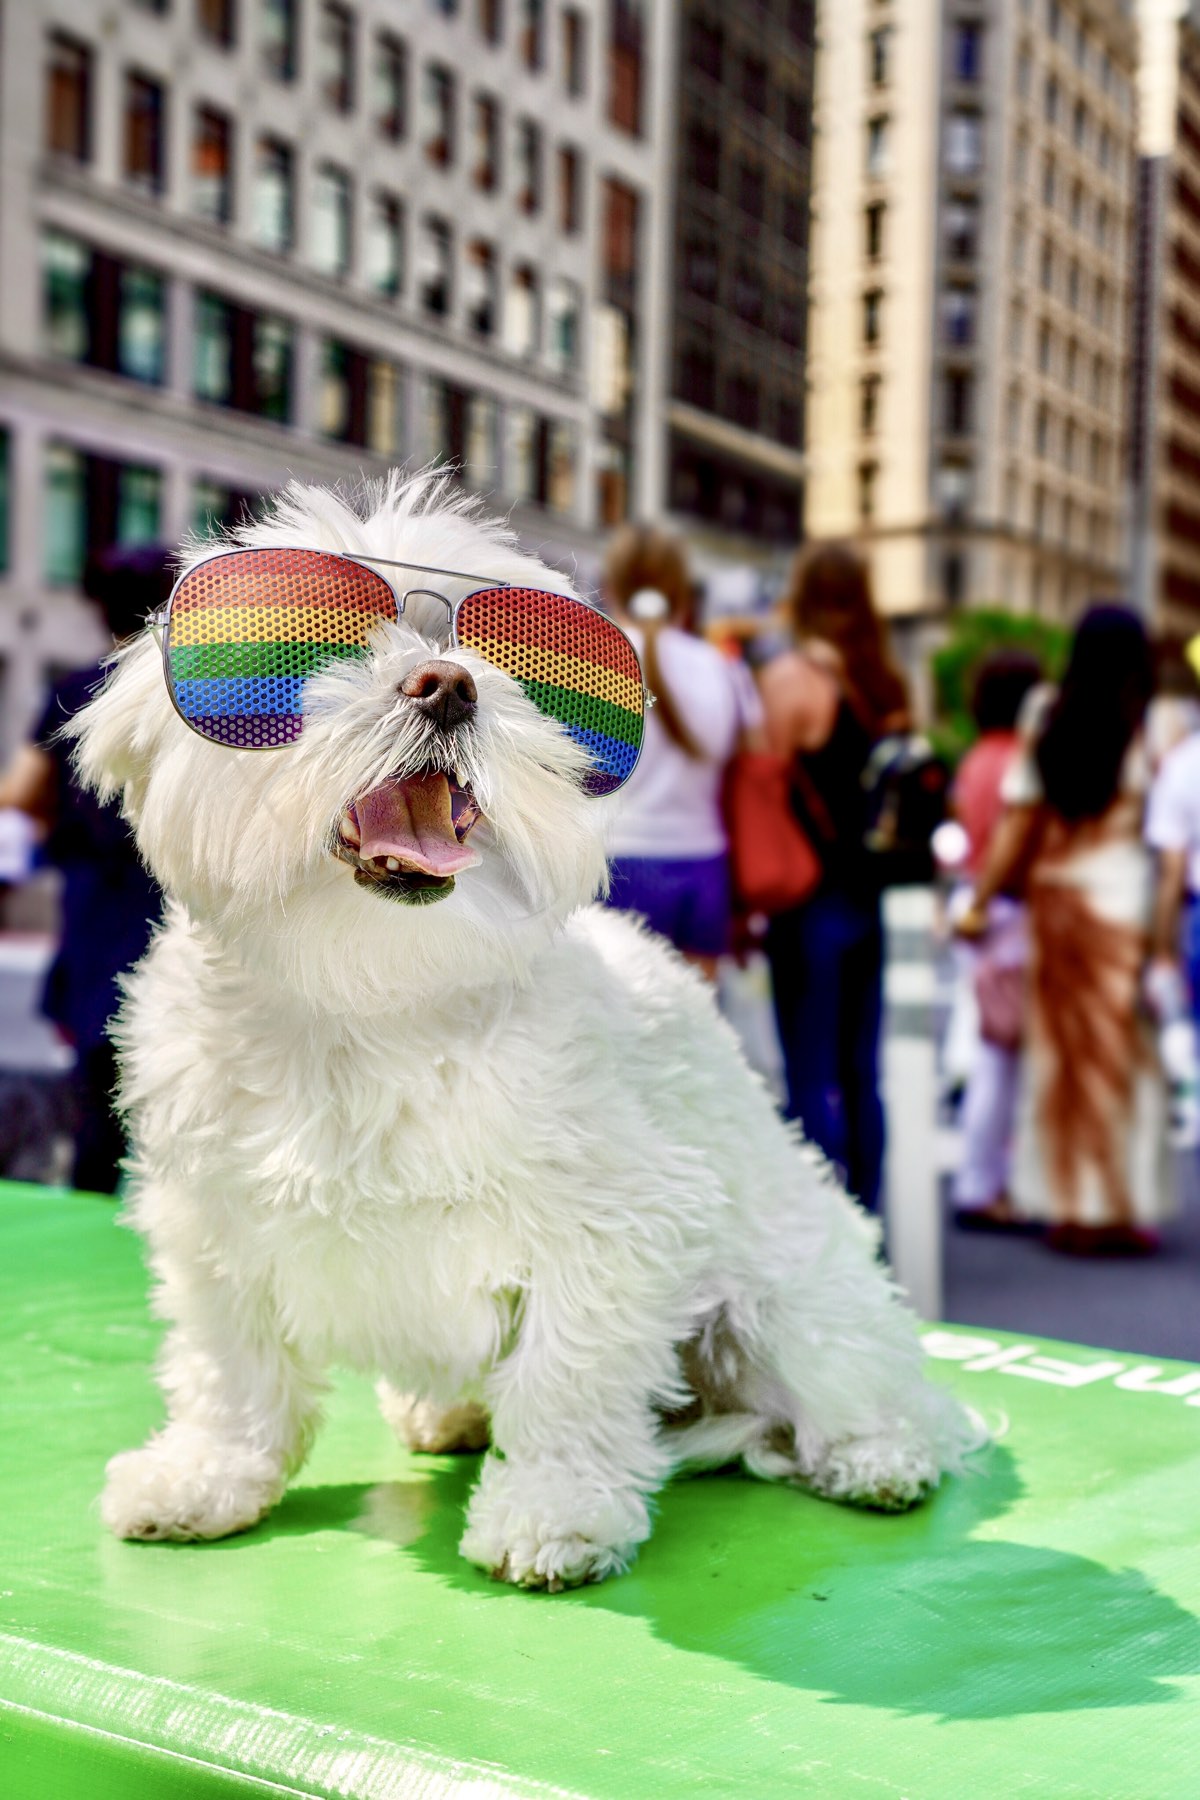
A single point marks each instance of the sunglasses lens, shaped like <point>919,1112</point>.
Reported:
<point>574,664</point>
<point>247,629</point>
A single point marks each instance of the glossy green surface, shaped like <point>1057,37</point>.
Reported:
<point>1031,1632</point>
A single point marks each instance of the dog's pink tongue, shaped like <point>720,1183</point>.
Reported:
<point>411,820</point>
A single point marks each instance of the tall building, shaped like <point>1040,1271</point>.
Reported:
<point>735,414</point>
<point>970,297</point>
<point>244,239</point>
<point>1165,424</point>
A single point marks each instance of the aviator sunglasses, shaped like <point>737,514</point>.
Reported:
<point>244,630</point>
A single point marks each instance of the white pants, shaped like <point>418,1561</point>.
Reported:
<point>989,1109</point>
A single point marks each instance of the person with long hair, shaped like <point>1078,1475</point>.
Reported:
<point>1093,1159</point>
<point>828,702</point>
<point>670,849</point>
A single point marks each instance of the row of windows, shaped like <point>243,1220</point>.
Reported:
<point>277,36</point>
<point>759,188</point>
<point>1082,212</point>
<point>1088,56</point>
<point>1077,450</point>
<point>1062,359</point>
<point>962,144</point>
<point>964,51</point>
<point>273,208</point>
<point>750,74</point>
<point>733,389</point>
<point>112,314</point>
<point>91,502</point>
<point>775,307</point>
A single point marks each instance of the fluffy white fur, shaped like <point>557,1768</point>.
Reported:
<point>500,1150</point>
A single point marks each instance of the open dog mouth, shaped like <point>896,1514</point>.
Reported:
<point>405,839</point>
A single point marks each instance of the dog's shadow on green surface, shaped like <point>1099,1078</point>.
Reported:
<point>917,1614</point>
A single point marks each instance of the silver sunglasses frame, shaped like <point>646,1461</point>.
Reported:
<point>160,622</point>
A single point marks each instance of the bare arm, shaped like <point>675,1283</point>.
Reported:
<point>1007,862</point>
<point>30,785</point>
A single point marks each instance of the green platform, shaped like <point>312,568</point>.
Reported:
<point>1032,1632</point>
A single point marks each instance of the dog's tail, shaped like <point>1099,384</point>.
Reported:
<point>712,1441</point>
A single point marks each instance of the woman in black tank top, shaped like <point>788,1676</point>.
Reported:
<point>827,705</point>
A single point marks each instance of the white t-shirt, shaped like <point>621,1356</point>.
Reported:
<point>1173,818</point>
<point>671,804</point>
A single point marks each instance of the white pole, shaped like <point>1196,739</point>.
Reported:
<point>913,1203</point>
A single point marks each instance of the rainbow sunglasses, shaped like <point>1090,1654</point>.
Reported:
<point>244,630</point>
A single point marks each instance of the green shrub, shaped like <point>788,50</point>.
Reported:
<point>974,636</point>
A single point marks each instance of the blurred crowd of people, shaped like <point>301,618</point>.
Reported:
<point>1071,878</point>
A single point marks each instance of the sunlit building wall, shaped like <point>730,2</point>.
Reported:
<point>243,241</point>
<point>970,297</point>
<point>1165,446</point>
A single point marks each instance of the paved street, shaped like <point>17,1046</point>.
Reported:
<point>1151,1306</point>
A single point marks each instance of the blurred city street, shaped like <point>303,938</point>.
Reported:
<point>1149,1306</point>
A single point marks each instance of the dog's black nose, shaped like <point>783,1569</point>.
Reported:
<point>443,691</point>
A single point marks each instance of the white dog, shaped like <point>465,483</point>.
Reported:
<point>500,1150</point>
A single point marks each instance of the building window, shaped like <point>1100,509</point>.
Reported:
<point>868,476</point>
<point>389,82</point>
<point>529,166</point>
<point>789,315</point>
<point>330,221</point>
<point>875,216</point>
<point>531,26</point>
<point>243,359</point>
<point>1044,348</point>
<point>704,155</point>
<point>278,39</point>
<point>877,148</point>
<point>751,188</point>
<point>1076,206</point>
<point>619,238</point>
<point>69,99</point>
<point>437,122</point>
<point>562,308</point>
<point>953,488</point>
<point>1079,125</point>
<point>748,294</point>
<point>1046,272</point>
<point>705,44</point>
<point>701,267</point>
<point>560,467</point>
<point>92,502</point>
<point>102,311</point>
<point>868,411</point>
<point>872,316</point>
<point>358,399</point>
<point>958,316</point>
<point>964,143</point>
<point>1049,181</point>
<point>217,508</point>
<point>490,19</point>
<point>335,56</point>
<point>443,420</point>
<point>755,86</point>
<point>274,209</point>
<point>383,245</point>
<point>1013,417</point>
<point>1024,75</point>
<point>570,190</point>
<point>1073,286</point>
<point>954,577</point>
<point>958,396</point>
<point>697,381</point>
<point>961,222</point>
<point>145,135</point>
<point>625,65</point>
<point>879,55</point>
<point>480,287</point>
<point>1050,100</point>
<point>212,166</point>
<point>481,449</point>
<point>435,266</point>
<point>215,21</point>
<point>485,143</point>
<point>966,60</point>
<point>522,313</point>
<point>574,51</point>
<point>1041,431</point>
<point>1101,227</point>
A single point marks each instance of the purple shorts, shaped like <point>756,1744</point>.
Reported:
<point>685,899</point>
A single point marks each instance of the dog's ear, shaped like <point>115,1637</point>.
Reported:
<point>117,732</point>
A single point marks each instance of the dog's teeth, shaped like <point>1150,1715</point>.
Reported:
<point>392,865</point>
<point>349,828</point>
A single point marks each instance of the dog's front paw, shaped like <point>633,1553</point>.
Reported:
<point>186,1484</point>
<point>888,1474</point>
<point>539,1528</point>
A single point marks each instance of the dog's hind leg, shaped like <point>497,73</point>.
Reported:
<point>846,1407</point>
<point>424,1425</point>
<point>242,1408</point>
